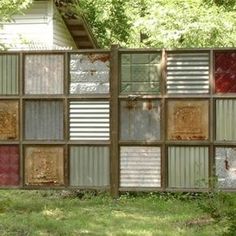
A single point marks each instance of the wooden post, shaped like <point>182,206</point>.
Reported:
<point>114,121</point>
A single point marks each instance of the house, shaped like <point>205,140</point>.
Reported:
<point>46,26</point>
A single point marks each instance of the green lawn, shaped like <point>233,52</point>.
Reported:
<point>65,213</point>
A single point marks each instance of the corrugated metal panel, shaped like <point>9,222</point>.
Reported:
<point>140,120</point>
<point>225,119</point>
<point>225,70</point>
<point>226,167</point>
<point>89,120</point>
<point>187,73</point>
<point>140,73</point>
<point>44,120</point>
<point>9,119</point>
<point>89,166</point>
<point>44,165</point>
<point>188,167</point>
<point>44,74</point>
<point>8,74</point>
<point>9,165</point>
<point>89,73</point>
<point>188,120</point>
<point>140,167</point>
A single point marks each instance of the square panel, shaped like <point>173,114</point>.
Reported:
<point>188,120</point>
<point>225,162</point>
<point>188,167</point>
<point>140,166</point>
<point>89,166</point>
<point>9,66</point>
<point>140,120</point>
<point>225,72</point>
<point>89,120</point>
<point>44,120</point>
<point>44,165</point>
<point>89,73</point>
<point>44,74</point>
<point>140,73</point>
<point>9,165</point>
<point>9,120</point>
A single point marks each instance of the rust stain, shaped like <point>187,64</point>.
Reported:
<point>44,166</point>
<point>99,57</point>
<point>9,120</point>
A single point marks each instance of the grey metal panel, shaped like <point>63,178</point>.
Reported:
<point>188,73</point>
<point>89,166</point>
<point>44,74</point>
<point>89,120</point>
<point>8,74</point>
<point>140,120</point>
<point>188,167</point>
<point>140,167</point>
<point>89,73</point>
<point>225,119</point>
<point>44,120</point>
<point>226,167</point>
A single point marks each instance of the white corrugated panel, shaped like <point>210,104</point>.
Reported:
<point>89,120</point>
<point>188,73</point>
<point>140,167</point>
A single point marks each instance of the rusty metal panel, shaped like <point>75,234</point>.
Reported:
<point>224,71</point>
<point>44,74</point>
<point>140,167</point>
<point>89,166</point>
<point>89,73</point>
<point>89,120</point>
<point>226,167</point>
<point>140,73</point>
<point>188,120</point>
<point>9,74</point>
<point>44,165</point>
<point>9,165</point>
<point>9,117</point>
<point>44,120</point>
<point>225,119</point>
<point>187,73</point>
<point>188,167</point>
<point>140,120</point>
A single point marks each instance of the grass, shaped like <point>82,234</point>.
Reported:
<point>69,213</point>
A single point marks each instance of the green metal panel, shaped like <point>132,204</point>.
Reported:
<point>225,119</point>
<point>188,167</point>
<point>8,74</point>
<point>89,166</point>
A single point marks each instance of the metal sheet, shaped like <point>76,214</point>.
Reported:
<point>225,119</point>
<point>140,167</point>
<point>44,120</point>
<point>188,120</point>
<point>188,167</point>
<point>44,74</point>
<point>44,165</point>
<point>89,166</point>
<point>225,70</point>
<point>140,120</point>
<point>89,120</point>
<point>9,116</point>
<point>8,74</point>
<point>89,73</point>
<point>140,73</point>
<point>226,167</point>
<point>9,165</point>
<point>187,73</point>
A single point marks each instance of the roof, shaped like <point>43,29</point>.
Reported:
<point>77,26</point>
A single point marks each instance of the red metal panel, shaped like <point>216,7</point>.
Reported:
<point>9,165</point>
<point>225,72</point>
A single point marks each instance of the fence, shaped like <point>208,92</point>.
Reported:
<point>119,119</point>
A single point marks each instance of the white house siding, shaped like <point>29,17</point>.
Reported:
<point>61,36</point>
